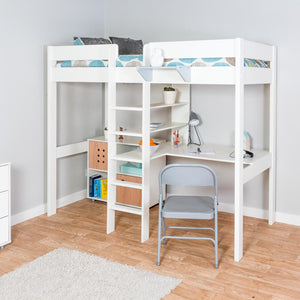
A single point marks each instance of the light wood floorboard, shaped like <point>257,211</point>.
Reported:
<point>270,268</point>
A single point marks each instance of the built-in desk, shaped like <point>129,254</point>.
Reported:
<point>252,167</point>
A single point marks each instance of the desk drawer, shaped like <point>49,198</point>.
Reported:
<point>4,233</point>
<point>3,178</point>
<point>129,195</point>
<point>3,204</point>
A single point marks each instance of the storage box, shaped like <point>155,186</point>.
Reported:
<point>131,169</point>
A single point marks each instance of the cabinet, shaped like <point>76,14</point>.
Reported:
<point>5,200</point>
<point>96,162</point>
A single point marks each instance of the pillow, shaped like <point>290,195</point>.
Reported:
<point>127,45</point>
<point>90,41</point>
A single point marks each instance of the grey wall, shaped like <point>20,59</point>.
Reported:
<point>273,22</point>
<point>26,28</point>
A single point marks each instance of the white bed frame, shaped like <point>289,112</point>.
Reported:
<point>238,76</point>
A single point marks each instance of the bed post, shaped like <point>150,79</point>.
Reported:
<point>238,166</point>
<point>112,148</point>
<point>146,162</point>
<point>272,140</point>
<point>51,136</point>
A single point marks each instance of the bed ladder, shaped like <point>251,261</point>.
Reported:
<point>113,159</point>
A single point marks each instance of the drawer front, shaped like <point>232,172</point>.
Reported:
<point>98,155</point>
<point>4,231</point>
<point>129,195</point>
<point>4,178</point>
<point>4,204</point>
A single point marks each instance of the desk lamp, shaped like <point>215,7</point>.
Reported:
<point>194,123</point>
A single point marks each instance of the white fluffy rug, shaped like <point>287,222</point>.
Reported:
<point>70,274</point>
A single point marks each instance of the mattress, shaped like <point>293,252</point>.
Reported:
<point>122,61</point>
<point>137,60</point>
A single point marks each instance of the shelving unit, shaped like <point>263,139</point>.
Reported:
<point>178,112</point>
<point>91,170</point>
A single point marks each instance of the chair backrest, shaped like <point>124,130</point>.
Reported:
<point>187,175</point>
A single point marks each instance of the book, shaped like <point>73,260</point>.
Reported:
<point>97,188</point>
<point>91,184</point>
<point>103,188</point>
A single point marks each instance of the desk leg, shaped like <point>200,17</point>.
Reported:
<point>238,218</point>
<point>238,166</point>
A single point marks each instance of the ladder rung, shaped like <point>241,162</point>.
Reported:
<point>124,208</point>
<point>133,185</point>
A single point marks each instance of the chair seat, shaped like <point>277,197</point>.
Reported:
<point>189,207</point>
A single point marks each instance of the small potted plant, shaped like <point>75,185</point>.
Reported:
<point>106,133</point>
<point>169,94</point>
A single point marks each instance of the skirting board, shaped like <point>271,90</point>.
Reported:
<point>224,207</point>
<point>42,209</point>
<point>262,214</point>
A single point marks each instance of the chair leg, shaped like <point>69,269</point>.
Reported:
<point>164,230</point>
<point>216,241</point>
<point>159,239</point>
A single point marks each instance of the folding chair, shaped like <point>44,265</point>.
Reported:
<point>187,207</point>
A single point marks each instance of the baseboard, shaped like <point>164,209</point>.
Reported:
<point>288,218</point>
<point>42,209</point>
<point>248,211</point>
<point>224,207</point>
<point>28,214</point>
<point>262,214</point>
<point>71,198</point>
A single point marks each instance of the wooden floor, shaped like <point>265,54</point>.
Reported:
<point>270,268</point>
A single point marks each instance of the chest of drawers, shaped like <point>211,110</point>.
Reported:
<point>5,204</point>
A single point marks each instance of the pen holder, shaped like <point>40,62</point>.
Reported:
<point>176,141</point>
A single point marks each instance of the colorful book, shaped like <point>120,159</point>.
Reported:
<point>103,183</point>
<point>97,188</point>
<point>91,184</point>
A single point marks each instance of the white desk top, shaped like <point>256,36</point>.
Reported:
<point>221,154</point>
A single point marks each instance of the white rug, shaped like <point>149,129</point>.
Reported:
<point>70,274</point>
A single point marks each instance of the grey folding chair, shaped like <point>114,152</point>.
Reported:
<point>187,207</point>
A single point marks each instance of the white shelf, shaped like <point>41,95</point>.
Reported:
<point>135,141</point>
<point>98,199</point>
<point>132,156</point>
<point>152,106</point>
<point>162,105</point>
<point>138,133</point>
<point>125,208</point>
<point>168,126</point>
<point>131,132</point>
<point>133,185</point>
<point>97,170</point>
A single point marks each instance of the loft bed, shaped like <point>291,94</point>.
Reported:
<point>210,62</point>
<point>247,63</point>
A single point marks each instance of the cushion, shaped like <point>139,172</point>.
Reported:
<point>90,41</point>
<point>127,45</point>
